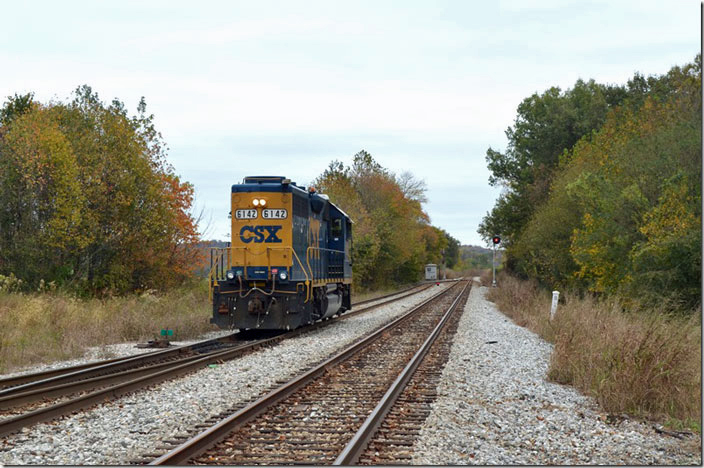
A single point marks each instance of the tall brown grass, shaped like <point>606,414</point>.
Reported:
<point>643,363</point>
<point>49,326</point>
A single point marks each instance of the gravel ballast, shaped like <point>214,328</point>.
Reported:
<point>495,406</point>
<point>117,432</point>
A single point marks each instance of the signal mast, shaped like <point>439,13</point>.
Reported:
<point>496,240</point>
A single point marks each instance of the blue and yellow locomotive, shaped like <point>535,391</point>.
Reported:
<point>289,260</point>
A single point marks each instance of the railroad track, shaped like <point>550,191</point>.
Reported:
<point>39,397</point>
<point>331,412</point>
<point>53,377</point>
<point>50,378</point>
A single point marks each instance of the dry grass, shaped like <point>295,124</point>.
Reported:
<point>51,326</point>
<point>646,364</point>
<point>45,327</point>
<point>485,277</point>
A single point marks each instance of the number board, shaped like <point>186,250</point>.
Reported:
<point>246,214</point>
<point>274,214</point>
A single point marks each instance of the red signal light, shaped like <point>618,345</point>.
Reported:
<point>496,240</point>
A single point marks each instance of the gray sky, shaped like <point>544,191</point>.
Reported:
<point>282,88</point>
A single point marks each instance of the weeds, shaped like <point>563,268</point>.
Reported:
<point>52,325</point>
<point>49,326</point>
<point>645,363</point>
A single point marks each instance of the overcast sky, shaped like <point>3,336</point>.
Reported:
<point>283,88</point>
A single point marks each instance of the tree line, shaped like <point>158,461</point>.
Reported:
<point>89,204</point>
<point>602,188</point>
<point>392,235</point>
<point>87,199</point>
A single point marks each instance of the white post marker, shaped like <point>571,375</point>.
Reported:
<point>553,308</point>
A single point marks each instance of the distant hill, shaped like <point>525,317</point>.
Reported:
<point>472,256</point>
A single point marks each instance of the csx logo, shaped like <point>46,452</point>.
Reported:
<point>259,234</point>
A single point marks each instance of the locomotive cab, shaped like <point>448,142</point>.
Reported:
<point>288,263</point>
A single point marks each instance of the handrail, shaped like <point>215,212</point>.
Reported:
<point>316,251</point>
<point>217,272</point>
<point>213,276</point>
<point>308,278</point>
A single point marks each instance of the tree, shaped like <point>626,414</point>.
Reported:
<point>393,237</point>
<point>42,207</point>
<point>15,106</point>
<point>88,198</point>
<point>587,175</point>
<point>547,124</point>
<point>623,215</point>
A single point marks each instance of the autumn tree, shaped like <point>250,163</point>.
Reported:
<point>392,234</point>
<point>88,199</point>
<point>41,213</point>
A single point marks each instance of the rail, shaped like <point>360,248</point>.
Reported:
<point>110,373</point>
<point>356,446</point>
<point>198,444</point>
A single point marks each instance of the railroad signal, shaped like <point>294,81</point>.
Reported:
<point>495,240</point>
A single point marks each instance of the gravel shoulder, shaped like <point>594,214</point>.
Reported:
<point>117,432</point>
<point>495,406</point>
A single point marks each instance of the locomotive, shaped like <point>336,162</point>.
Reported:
<point>289,259</point>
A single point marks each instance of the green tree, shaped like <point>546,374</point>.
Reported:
<point>547,124</point>
<point>617,210</point>
<point>623,214</point>
<point>15,106</point>
<point>644,195</point>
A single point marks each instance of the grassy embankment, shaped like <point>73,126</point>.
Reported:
<point>50,326</point>
<point>645,364</point>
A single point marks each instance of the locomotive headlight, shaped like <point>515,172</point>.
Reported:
<point>255,202</point>
<point>262,202</point>
<point>283,276</point>
<point>230,275</point>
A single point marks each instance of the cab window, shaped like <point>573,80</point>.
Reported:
<point>336,229</point>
